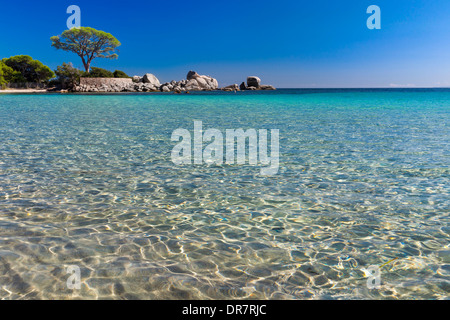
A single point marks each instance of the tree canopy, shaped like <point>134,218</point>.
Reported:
<point>2,78</point>
<point>8,75</point>
<point>88,44</point>
<point>24,69</point>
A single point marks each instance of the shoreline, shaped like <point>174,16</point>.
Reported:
<point>24,91</point>
<point>30,91</point>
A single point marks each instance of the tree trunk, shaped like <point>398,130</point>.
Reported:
<point>86,64</point>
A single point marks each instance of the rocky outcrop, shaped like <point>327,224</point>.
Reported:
<point>267,87</point>
<point>147,83</point>
<point>233,87</point>
<point>142,87</point>
<point>253,82</point>
<point>137,79</point>
<point>192,75</point>
<point>196,82</point>
<point>150,78</point>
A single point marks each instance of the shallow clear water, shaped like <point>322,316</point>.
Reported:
<point>87,180</point>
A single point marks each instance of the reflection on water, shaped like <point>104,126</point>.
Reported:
<point>88,181</point>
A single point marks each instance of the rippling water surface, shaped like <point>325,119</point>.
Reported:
<point>87,180</point>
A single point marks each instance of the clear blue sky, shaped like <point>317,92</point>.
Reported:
<point>293,43</point>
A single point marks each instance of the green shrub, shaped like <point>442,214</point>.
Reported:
<point>67,76</point>
<point>120,74</point>
<point>98,73</point>
<point>25,69</point>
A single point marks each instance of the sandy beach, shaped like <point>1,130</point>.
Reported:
<point>23,91</point>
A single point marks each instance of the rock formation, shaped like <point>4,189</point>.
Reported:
<point>233,87</point>
<point>147,83</point>
<point>196,82</point>
<point>150,78</point>
<point>150,83</point>
<point>267,87</point>
<point>253,82</point>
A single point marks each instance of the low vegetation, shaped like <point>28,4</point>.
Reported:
<point>120,74</point>
<point>67,76</point>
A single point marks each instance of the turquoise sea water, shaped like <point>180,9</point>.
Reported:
<point>87,180</point>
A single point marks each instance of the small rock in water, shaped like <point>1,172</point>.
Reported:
<point>119,289</point>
